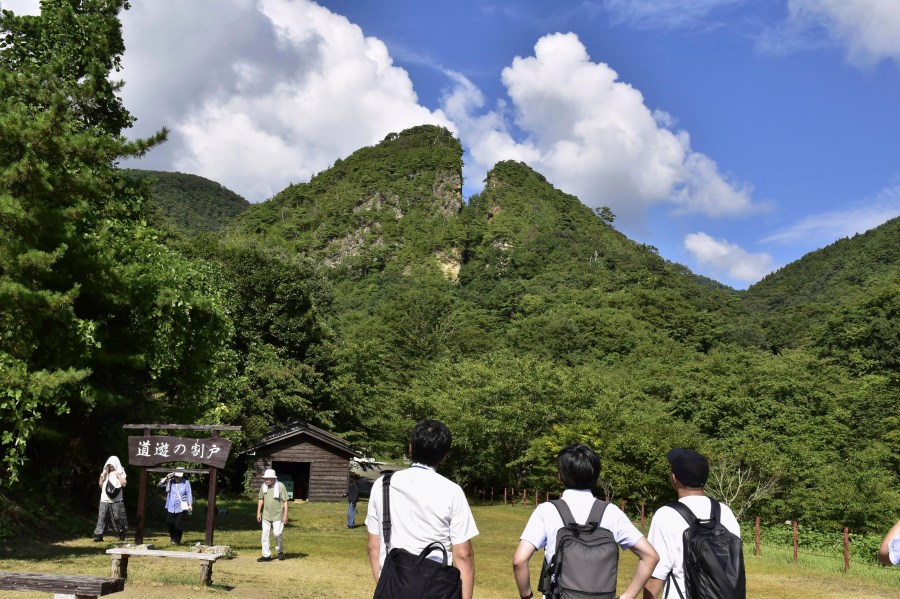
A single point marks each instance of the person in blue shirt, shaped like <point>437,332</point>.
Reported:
<point>179,503</point>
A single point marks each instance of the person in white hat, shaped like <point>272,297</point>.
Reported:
<point>272,512</point>
<point>179,503</point>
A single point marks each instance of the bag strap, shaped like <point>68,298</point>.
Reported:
<point>596,514</point>
<point>431,547</point>
<point>597,511</point>
<point>671,578</point>
<point>715,510</point>
<point>564,512</point>
<point>684,511</point>
<point>386,510</point>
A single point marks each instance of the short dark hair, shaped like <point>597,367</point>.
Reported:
<point>430,441</point>
<point>578,466</point>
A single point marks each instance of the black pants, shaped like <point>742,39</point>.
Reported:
<point>176,525</point>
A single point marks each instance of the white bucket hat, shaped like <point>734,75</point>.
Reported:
<point>269,474</point>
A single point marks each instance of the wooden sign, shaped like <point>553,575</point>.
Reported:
<point>152,451</point>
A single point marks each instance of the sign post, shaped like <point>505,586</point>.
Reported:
<point>149,450</point>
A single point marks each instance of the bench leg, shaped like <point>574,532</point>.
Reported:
<point>205,573</point>
<point>119,566</point>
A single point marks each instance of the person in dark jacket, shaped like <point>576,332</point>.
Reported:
<point>352,497</point>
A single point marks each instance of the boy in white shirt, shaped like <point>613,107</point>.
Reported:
<point>425,507</point>
<point>579,468</point>
<point>688,477</point>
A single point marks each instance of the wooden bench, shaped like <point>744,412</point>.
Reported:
<point>63,586</point>
<point>120,557</point>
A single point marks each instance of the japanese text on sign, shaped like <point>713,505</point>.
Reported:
<point>151,451</point>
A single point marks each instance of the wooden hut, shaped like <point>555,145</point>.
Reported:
<point>314,464</point>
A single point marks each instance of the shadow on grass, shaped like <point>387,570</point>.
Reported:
<point>37,551</point>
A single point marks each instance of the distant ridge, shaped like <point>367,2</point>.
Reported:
<point>192,204</point>
<point>794,300</point>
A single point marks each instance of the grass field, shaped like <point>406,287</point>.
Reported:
<point>326,560</point>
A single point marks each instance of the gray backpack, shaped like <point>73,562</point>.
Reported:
<point>586,559</point>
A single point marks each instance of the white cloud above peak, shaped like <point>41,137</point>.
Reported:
<point>592,135</point>
<point>827,227</point>
<point>289,89</point>
<point>725,258</point>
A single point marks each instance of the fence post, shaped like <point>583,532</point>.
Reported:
<point>642,515</point>
<point>547,496</point>
<point>795,541</point>
<point>524,497</point>
<point>492,495</point>
<point>535,497</point>
<point>504,495</point>
<point>846,549</point>
<point>757,550</point>
<point>623,506</point>
<point>607,499</point>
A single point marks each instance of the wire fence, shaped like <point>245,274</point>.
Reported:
<point>842,547</point>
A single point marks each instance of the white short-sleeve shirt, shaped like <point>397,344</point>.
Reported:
<point>666,530</point>
<point>425,507</point>
<point>894,551</point>
<point>545,521</point>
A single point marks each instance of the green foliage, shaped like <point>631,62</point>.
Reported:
<point>100,320</point>
<point>791,303</point>
<point>371,297</point>
<point>189,203</point>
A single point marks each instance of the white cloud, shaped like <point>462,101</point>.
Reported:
<point>289,88</point>
<point>823,229</point>
<point>591,135</point>
<point>22,7</point>
<point>728,258</point>
<point>868,29</point>
<point>666,14</point>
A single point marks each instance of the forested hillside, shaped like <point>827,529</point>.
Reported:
<point>189,203</point>
<point>373,296</point>
<point>528,321</point>
<point>793,301</point>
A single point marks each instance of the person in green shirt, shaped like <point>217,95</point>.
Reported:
<point>272,512</point>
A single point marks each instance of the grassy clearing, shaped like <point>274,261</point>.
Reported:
<point>326,560</point>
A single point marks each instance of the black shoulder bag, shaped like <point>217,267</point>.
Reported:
<point>112,491</point>
<point>406,575</point>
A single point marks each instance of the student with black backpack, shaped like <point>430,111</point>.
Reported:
<point>698,539</point>
<point>581,537</point>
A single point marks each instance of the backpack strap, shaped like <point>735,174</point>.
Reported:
<point>715,510</point>
<point>684,511</point>
<point>386,510</point>
<point>564,512</point>
<point>597,511</point>
<point>595,515</point>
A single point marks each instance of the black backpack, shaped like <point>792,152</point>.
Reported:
<point>409,576</point>
<point>713,557</point>
<point>586,559</point>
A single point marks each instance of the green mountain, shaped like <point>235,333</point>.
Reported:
<point>190,203</point>
<point>526,321</point>
<point>792,303</point>
<point>389,223</point>
<point>385,206</point>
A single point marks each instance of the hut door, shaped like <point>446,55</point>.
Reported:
<point>297,473</point>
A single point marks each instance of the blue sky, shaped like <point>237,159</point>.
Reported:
<point>733,135</point>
